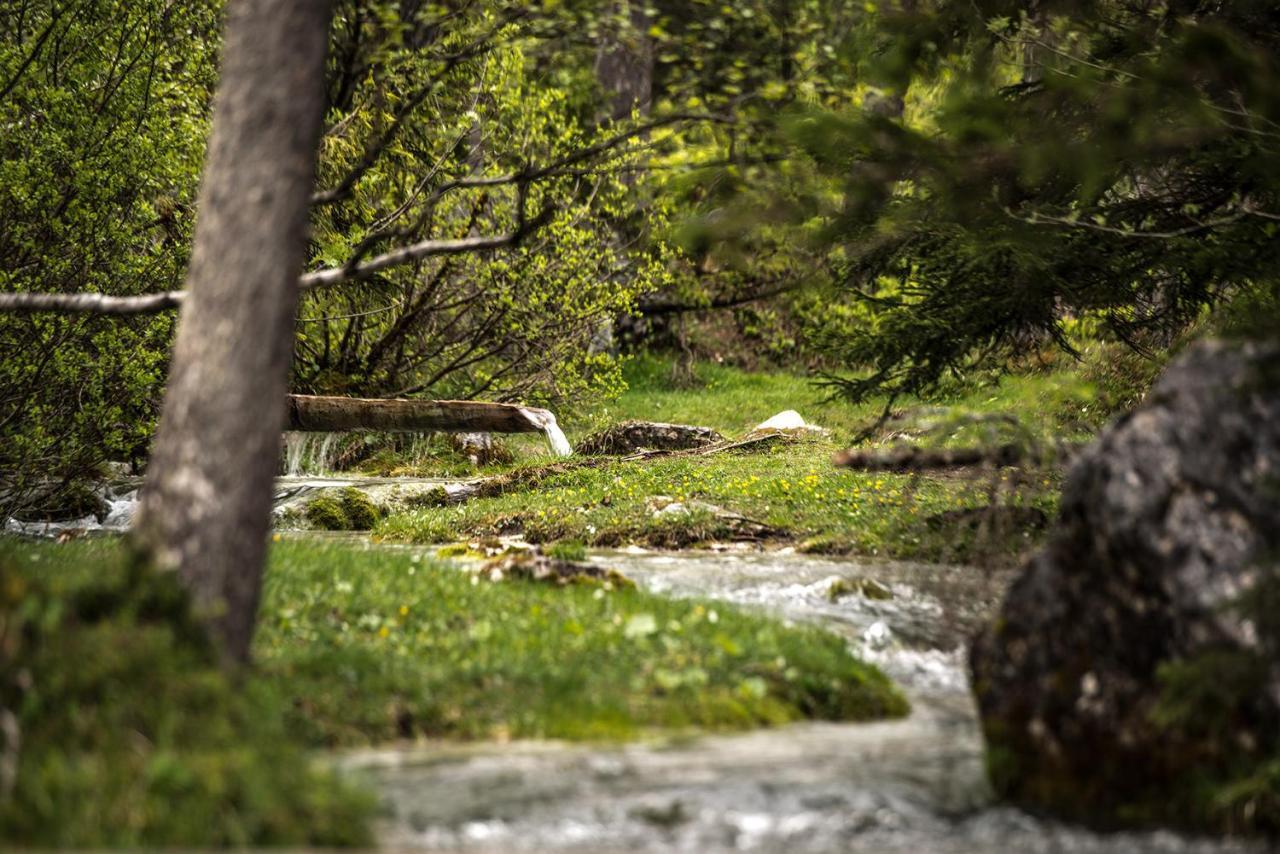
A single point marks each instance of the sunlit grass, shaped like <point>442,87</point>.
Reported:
<point>379,644</point>
<point>793,489</point>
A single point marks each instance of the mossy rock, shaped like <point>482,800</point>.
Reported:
<point>347,510</point>
<point>328,514</point>
<point>436,497</point>
<point>362,514</point>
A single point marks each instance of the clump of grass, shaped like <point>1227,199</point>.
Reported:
<point>376,645</point>
<point>130,733</point>
<point>327,513</point>
<point>361,512</point>
<point>568,550</point>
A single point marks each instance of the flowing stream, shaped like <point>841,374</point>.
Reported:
<point>913,785</point>
<point>292,493</point>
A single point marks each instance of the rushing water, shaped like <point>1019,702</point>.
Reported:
<point>914,785</point>
<point>545,421</point>
<point>292,492</point>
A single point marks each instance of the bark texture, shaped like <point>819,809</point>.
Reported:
<point>206,505</point>
<point>624,62</point>
<point>1170,524</point>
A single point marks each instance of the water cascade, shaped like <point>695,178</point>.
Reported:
<point>309,453</point>
<point>545,421</point>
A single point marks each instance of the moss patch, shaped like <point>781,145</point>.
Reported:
<point>130,733</point>
<point>348,509</point>
<point>362,514</point>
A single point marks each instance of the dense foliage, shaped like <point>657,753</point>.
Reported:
<point>491,147</point>
<point>437,121</point>
<point>102,108</point>
<point>1105,160</point>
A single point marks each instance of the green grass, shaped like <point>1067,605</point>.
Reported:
<point>129,733</point>
<point>1050,403</point>
<point>792,489</point>
<point>379,644</point>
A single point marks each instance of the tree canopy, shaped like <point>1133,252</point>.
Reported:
<point>1057,162</point>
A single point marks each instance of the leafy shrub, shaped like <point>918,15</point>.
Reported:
<point>97,183</point>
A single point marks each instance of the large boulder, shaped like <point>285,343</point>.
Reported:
<point>1131,674</point>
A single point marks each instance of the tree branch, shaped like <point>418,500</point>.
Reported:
<point>151,303</point>
<point>92,303</point>
<point>424,249</point>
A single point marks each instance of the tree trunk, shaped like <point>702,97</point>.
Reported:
<point>624,62</point>
<point>206,505</point>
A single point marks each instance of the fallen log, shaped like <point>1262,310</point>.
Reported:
<point>914,458</point>
<point>922,459</point>
<point>315,414</point>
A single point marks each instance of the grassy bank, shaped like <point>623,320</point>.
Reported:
<point>789,492</point>
<point>129,734</point>
<point>376,645</point>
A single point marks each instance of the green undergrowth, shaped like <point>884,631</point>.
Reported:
<point>380,644</point>
<point>1050,404</point>
<point>786,493</point>
<point>124,730</point>
<point>790,492</point>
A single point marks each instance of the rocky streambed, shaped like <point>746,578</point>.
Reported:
<point>910,785</point>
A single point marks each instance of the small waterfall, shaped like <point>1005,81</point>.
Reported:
<point>309,453</point>
<point>546,422</point>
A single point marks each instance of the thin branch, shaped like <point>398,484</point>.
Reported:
<point>92,303</point>
<point>152,303</point>
<point>1044,219</point>
<point>425,249</point>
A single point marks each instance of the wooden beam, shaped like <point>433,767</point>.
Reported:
<point>310,413</point>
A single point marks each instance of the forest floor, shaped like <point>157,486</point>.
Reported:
<point>785,493</point>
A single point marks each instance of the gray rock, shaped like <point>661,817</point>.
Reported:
<point>1166,522</point>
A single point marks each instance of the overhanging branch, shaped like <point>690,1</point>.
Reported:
<point>152,303</point>
<point>90,303</point>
